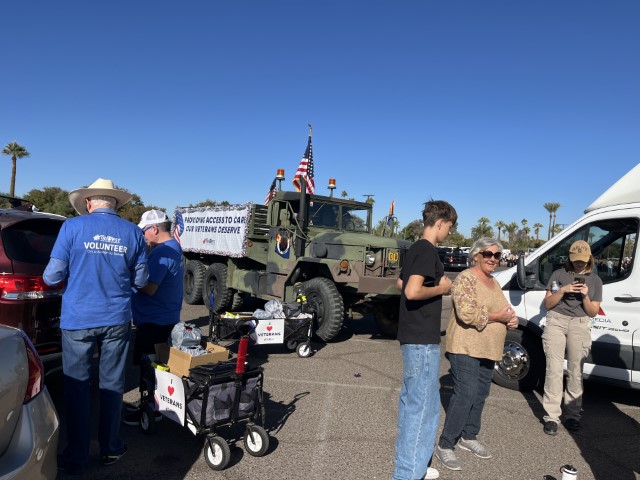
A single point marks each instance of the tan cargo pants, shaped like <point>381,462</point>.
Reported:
<point>573,334</point>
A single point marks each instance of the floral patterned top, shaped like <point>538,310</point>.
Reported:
<point>468,331</point>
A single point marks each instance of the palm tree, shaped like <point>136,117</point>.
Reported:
<point>551,207</point>
<point>482,229</point>
<point>500,225</point>
<point>536,228</point>
<point>16,151</point>
<point>511,230</point>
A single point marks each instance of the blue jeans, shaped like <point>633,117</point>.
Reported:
<point>471,385</point>
<point>77,352</point>
<point>418,410</point>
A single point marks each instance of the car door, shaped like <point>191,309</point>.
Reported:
<point>613,237</point>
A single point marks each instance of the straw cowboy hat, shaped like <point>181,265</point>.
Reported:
<point>99,187</point>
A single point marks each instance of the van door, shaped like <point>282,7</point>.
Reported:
<point>613,244</point>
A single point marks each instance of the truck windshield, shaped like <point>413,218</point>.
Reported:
<point>355,219</point>
<point>346,217</point>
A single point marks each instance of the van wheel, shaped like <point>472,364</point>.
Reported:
<point>215,280</point>
<point>523,362</point>
<point>194,271</point>
<point>326,301</point>
<point>386,315</point>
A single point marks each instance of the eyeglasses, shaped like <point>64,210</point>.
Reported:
<point>488,255</point>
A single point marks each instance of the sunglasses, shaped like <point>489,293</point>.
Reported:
<point>488,255</point>
<point>147,228</point>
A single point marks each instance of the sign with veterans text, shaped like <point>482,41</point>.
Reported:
<point>214,230</point>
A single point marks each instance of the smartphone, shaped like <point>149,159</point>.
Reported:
<point>579,279</point>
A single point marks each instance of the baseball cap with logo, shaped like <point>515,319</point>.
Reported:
<point>153,217</point>
<point>580,251</point>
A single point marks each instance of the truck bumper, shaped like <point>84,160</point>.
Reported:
<point>379,286</point>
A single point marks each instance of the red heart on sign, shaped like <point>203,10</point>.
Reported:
<point>269,327</point>
<point>170,389</point>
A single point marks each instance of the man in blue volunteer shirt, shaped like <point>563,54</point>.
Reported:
<point>101,257</point>
<point>156,307</point>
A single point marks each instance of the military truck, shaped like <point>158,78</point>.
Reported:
<point>263,251</point>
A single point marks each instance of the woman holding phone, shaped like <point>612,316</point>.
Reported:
<point>578,297</point>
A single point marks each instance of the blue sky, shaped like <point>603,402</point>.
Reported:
<point>495,106</point>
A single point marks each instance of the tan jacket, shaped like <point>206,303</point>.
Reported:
<point>468,331</point>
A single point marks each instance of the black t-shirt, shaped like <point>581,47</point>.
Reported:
<point>420,319</point>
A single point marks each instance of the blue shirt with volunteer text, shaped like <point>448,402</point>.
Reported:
<point>165,270</point>
<point>102,254</point>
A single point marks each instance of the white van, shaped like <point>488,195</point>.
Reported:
<point>610,225</point>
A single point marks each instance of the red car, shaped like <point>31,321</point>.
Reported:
<point>26,240</point>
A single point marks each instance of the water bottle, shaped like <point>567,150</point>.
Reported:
<point>554,287</point>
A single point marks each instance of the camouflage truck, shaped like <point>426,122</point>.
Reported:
<point>262,251</point>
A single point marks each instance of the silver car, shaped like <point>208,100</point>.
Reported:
<point>29,425</point>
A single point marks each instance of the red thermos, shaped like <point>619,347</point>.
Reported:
<point>242,355</point>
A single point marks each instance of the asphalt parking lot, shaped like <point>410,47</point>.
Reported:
<point>333,416</point>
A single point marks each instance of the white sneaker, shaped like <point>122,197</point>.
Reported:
<point>431,474</point>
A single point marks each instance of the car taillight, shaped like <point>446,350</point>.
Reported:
<point>36,371</point>
<point>23,287</point>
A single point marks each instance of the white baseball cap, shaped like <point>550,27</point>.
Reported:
<point>153,217</point>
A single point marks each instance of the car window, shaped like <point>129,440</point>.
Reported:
<point>613,245</point>
<point>30,241</point>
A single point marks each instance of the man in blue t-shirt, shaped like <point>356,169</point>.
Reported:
<point>101,258</point>
<point>156,307</point>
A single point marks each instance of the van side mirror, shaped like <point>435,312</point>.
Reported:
<point>521,275</point>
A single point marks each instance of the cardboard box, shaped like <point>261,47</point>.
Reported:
<point>180,362</point>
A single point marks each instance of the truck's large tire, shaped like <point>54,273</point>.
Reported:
<point>215,279</point>
<point>324,298</point>
<point>237,300</point>
<point>193,280</point>
<point>523,362</point>
<point>387,316</point>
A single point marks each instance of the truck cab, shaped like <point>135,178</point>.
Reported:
<point>610,225</point>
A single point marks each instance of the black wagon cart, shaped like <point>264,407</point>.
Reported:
<point>211,397</point>
<point>294,332</point>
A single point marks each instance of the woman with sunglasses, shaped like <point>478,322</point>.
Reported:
<point>475,337</point>
<point>573,296</point>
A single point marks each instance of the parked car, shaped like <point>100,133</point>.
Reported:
<point>26,302</point>
<point>453,258</point>
<point>30,426</point>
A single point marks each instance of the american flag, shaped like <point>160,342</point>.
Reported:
<point>178,225</point>
<point>305,169</point>
<point>271,193</point>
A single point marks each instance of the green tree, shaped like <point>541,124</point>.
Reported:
<point>211,203</point>
<point>511,230</point>
<point>382,228</point>
<point>552,208</point>
<point>482,229</point>
<point>52,200</point>
<point>500,226</point>
<point>456,238</point>
<point>536,229</point>
<point>344,194</point>
<point>15,151</point>
<point>413,230</point>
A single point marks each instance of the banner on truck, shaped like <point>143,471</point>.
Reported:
<point>216,230</point>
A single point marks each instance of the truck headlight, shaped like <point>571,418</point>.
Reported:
<point>369,258</point>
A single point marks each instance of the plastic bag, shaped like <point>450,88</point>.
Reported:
<point>185,335</point>
<point>272,309</point>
